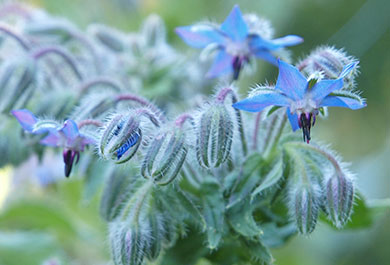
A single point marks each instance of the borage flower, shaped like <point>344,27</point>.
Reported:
<point>302,97</point>
<point>235,42</point>
<point>66,136</point>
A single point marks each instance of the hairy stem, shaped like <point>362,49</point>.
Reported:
<point>183,118</point>
<point>85,87</point>
<point>19,39</point>
<point>62,53</point>
<point>256,130</point>
<point>89,122</point>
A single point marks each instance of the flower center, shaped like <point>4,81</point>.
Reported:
<point>306,120</point>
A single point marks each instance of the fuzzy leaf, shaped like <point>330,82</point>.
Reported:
<point>246,179</point>
<point>213,210</point>
<point>240,217</point>
<point>271,178</point>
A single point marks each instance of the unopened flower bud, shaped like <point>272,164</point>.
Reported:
<point>17,79</point>
<point>153,30</point>
<point>260,26</point>
<point>305,202</point>
<point>116,192</point>
<point>129,243</point>
<point>109,37</point>
<point>214,136</point>
<point>52,29</point>
<point>121,138</point>
<point>165,156</point>
<point>330,62</point>
<point>339,198</point>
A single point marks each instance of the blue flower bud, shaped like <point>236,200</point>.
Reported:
<point>214,136</point>
<point>121,138</point>
<point>165,156</point>
<point>339,194</point>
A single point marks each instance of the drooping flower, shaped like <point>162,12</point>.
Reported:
<point>236,43</point>
<point>303,97</point>
<point>66,136</point>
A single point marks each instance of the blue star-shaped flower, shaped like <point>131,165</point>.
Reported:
<point>303,97</point>
<point>235,42</point>
<point>66,136</point>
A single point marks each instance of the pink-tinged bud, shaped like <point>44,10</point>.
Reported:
<point>305,201</point>
<point>339,198</point>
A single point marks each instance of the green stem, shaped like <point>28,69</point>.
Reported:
<point>274,135</point>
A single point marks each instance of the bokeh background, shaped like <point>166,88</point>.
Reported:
<point>362,27</point>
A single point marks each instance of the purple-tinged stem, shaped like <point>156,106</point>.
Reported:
<point>221,96</point>
<point>256,130</point>
<point>85,87</point>
<point>19,39</point>
<point>150,115</point>
<point>142,101</point>
<point>89,122</point>
<point>62,53</point>
<point>15,9</point>
<point>179,122</point>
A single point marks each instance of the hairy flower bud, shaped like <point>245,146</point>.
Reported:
<point>305,201</point>
<point>153,30</point>
<point>121,138</point>
<point>330,63</point>
<point>129,243</point>
<point>165,156</point>
<point>111,38</point>
<point>339,194</point>
<point>214,136</point>
<point>259,25</point>
<point>17,78</point>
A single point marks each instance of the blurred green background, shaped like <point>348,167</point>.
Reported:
<point>362,137</point>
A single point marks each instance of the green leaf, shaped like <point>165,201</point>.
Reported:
<point>38,215</point>
<point>240,217</point>
<point>30,248</point>
<point>276,236</point>
<point>213,210</point>
<point>259,252</point>
<point>246,179</point>
<point>271,178</point>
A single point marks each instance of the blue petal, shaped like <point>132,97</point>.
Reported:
<point>290,81</point>
<point>70,130</point>
<point>323,88</point>
<point>222,65</point>
<point>293,118</point>
<point>52,139</point>
<point>199,36</point>
<point>345,102</point>
<point>289,40</point>
<point>258,43</point>
<point>261,101</point>
<point>347,69</point>
<point>266,56</point>
<point>25,118</point>
<point>234,25</point>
